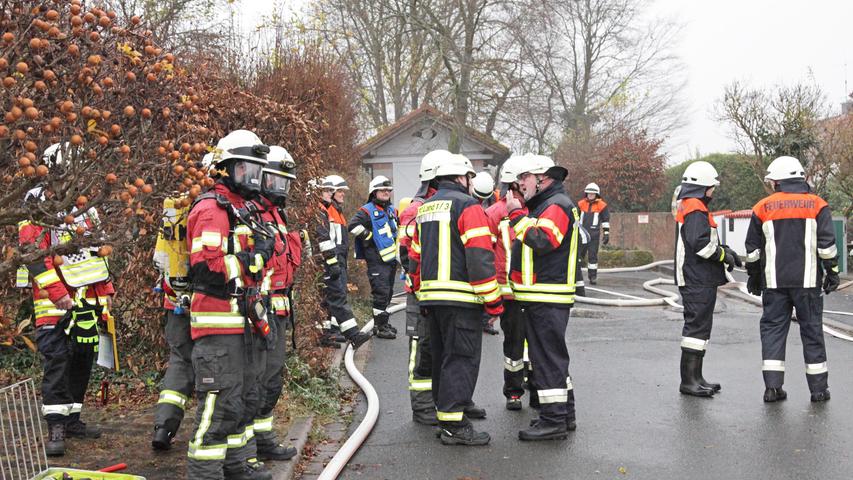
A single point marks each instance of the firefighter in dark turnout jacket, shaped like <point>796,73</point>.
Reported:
<point>699,269</point>
<point>595,219</point>
<point>791,255</point>
<point>227,259</point>
<point>542,276</point>
<point>374,227</point>
<point>452,254</point>
<point>333,242</point>
<point>417,327</point>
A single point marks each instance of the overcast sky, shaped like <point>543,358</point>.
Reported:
<point>761,42</point>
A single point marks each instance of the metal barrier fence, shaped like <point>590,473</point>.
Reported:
<point>22,453</point>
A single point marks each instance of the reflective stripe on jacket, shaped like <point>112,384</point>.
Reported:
<point>697,247</point>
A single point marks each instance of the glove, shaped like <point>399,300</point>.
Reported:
<point>265,246</point>
<point>730,258</point>
<point>606,239</point>
<point>333,271</point>
<point>247,261</point>
<point>830,282</point>
<point>753,284</point>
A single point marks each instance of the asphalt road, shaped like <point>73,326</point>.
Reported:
<point>632,422</point>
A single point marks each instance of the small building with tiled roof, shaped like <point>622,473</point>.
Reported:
<point>396,150</point>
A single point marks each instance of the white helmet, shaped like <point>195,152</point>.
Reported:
<point>334,182</point>
<point>484,185</point>
<point>541,164</point>
<point>592,188</point>
<point>700,173</point>
<point>240,144</point>
<point>207,160</point>
<point>784,168</point>
<point>281,161</point>
<point>454,165</point>
<point>429,163</point>
<point>510,168</point>
<point>380,182</point>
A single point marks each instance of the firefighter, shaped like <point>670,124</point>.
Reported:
<point>417,327</point>
<point>227,257</point>
<point>700,263</point>
<point>276,287</point>
<point>791,256</point>
<point>595,219</point>
<point>542,275</point>
<point>171,260</point>
<point>69,299</point>
<point>374,227</point>
<point>483,188</point>
<point>512,322</point>
<point>333,242</point>
<point>452,255</point>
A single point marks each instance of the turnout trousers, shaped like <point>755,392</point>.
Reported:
<point>549,357</point>
<point>775,322</point>
<point>513,326</point>
<point>67,368</point>
<point>456,341</point>
<point>699,304</point>
<point>420,358</point>
<point>381,276</point>
<point>336,302</point>
<point>591,252</point>
<point>271,384</point>
<point>177,384</point>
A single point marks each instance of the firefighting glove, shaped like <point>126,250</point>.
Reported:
<point>250,263</point>
<point>831,281</point>
<point>265,247</point>
<point>730,258</point>
<point>755,282</point>
<point>333,272</point>
<point>606,238</point>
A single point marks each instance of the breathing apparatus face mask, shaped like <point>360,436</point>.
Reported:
<point>275,188</point>
<point>245,177</point>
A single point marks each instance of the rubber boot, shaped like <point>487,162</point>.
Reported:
<point>55,446</point>
<point>593,276</point>
<point>542,430</point>
<point>463,435</point>
<point>276,452</point>
<point>77,429</point>
<point>474,412</point>
<point>162,439</point>
<point>821,396</point>
<point>706,384</point>
<point>774,395</point>
<point>690,376</point>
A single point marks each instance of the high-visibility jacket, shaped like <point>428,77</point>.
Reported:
<point>452,252</point>
<point>408,225</point>
<point>280,271</point>
<point>544,255</point>
<point>375,231</point>
<point>331,233</point>
<point>698,255</point>
<point>499,224</point>
<point>790,234</point>
<point>595,215</point>
<point>49,282</point>
<point>214,237</point>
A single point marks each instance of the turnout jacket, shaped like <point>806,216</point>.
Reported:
<point>375,230</point>
<point>594,215</point>
<point>698,254</point>
<point>331,234</point>
<point>405,233</point>
<point>280,271</point>
<point>214,238</point>
<point>499,224</point>
<point>452,252</point>
<point>544,254</point>
<point>789,234</point>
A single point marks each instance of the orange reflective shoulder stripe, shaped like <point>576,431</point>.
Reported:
<point>688,206</point>
<point>781,206</point>
<point>335,216</point>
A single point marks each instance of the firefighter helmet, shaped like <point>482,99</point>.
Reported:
<point>278,175</point>
<point>592,188</point>
<point>334,182</point>
<point>700,173</point>
<point>454,164</point>
<point>542,165</point>
<point>286,165</point>
<point>380,182</point>
<point>429,163</point>
<point>511,167</point>
<point>242,156</point>
<point>484,185</point>
<point>784,168</point>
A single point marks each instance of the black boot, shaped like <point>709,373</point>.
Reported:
<point>474,412</point>
<point>336,335</point>
<point>78,429</point>
<point>357,338</point>
<point>542,430</point>
<point>690,376</point>
<point>774,395</point>
<point>706,384</point>
<point>326,340</point>
<point>513,403</point>
<point>571,424</point>
<point>593,276</point>
<point>425,417</point>
<point>384,332</point>
<point>55,446</point>
<point>247,471</point>
<point>463,435</point>
<point>162,439</point>
<point>276,452</point>
<point>821,396</point>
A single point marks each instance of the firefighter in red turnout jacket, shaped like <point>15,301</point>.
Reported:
<point>227,258</point>
<point>595,219</point>
<point>69,299</point>
<point>791,256</point>
<point>374,227</point>
<point>542,276</point>
<point>700,261</point>
<point>452,254</point>
<point>417,327</point>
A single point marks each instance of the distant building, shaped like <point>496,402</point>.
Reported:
<point>396,151</point>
